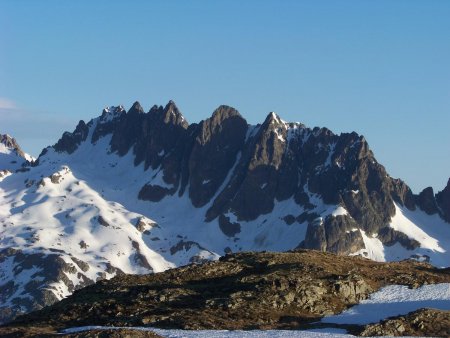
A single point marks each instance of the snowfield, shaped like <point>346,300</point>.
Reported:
<point>322,333</point>
<point>431,231</point>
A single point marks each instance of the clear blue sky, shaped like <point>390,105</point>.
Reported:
<point>381,68</point>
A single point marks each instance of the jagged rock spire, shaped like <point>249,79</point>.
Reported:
<point>136,108</point>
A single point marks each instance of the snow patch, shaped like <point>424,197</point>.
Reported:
<point>407,222</point>
<point>339,211</point>
<point>394,300</point>
<point>317,333</point>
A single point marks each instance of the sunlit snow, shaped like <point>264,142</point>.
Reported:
<point>394,300</point>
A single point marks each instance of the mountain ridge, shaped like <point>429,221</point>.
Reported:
<point>136,192</point>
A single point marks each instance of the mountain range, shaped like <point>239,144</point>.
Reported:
<point>135,192</point>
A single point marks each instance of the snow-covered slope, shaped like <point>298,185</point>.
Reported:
<point>80,214</point>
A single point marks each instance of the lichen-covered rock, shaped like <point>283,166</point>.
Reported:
<point>423,323</point>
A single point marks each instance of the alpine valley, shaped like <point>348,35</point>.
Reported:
<point>131,192</point>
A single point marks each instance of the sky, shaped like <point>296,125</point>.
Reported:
<point>380,68</point>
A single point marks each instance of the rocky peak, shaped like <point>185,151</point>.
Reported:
<point>11,143</point>
<point>273,123</point>
<point>273,117</point>
<point>136,108</point>
<point>270,142</point>
<point>426,201</point>
<point>69,142</point>
<point>224,117</point>
<point>171,114</point>
<point>219,140</point>
<point>222,113</point>
<point>111,113</point>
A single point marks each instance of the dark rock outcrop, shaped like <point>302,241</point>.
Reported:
<point>46,270</point>
<point>69,142</point>
<point>427,202</point>
<point>218,141</point>
<point>389,237</point>
<point>338,234</point>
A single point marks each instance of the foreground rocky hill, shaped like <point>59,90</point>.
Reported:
<point>240,291</point>
<point>134,192</point>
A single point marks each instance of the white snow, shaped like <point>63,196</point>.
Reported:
<point>319,333</point>
<point>297,131</point>
<point>394,300</point>
<point>409,222</point>
<point>279,134</point>
<point>330,155</point>
<point>10,160</point>
<point>282,125</point>
<point>339,211</point>
<point>429,230</point>
<point>374,249</point>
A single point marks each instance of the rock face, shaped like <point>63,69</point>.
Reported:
<point>217,142</point>
<point>427,202</point>
<point>335,234</point>
<point>49,280</point>
<point>241,291</point>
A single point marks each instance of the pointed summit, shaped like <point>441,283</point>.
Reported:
<point>171,107</point>
<point>12,157</point>
<point>11,144</point>
<point>171,114</point>
<point>273,117</point>
<point>224,118</point>
<point>274,124</point>
<point>223,112</point>
<point>136,108</point>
